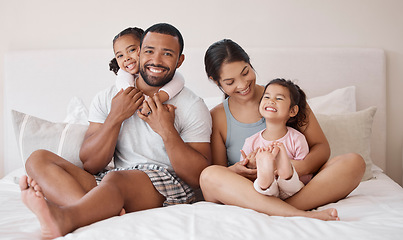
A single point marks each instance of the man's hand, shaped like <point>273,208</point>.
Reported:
<point>125,103</point>
<point>161,117</point>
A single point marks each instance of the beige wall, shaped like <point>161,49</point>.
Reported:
<point>53,24</point>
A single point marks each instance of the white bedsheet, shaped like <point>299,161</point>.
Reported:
<point>373,211</point>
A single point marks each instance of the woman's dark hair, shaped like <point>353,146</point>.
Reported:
<point>220,52</point>
<point>137,32</point>
<point>298,97</point>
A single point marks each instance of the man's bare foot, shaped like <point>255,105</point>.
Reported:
<point>284,167</point>
<point>326,215</point>
<point>265,163</point>
<point>122,212</point>
<point>32,183</point>
<point>36,202</point>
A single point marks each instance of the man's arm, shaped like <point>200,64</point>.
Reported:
<point>187,159</point>
<point>100,139</point>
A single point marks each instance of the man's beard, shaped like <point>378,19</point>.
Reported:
<point>153,81</point>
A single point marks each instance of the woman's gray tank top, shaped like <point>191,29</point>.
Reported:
<point>237,132</point>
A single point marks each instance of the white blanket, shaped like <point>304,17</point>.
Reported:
<point>373,211</point>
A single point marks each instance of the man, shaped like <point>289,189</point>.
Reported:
<point>168,147</point>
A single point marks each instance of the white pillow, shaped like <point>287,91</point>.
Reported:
<point>33,133</point>
<point>350,132</point>
<point>77,112</point>
<point>341,100</point>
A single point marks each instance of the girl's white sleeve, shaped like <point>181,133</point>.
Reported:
<point>124,80</point>
<point>174,86</point>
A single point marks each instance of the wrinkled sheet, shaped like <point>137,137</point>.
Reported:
<point>373,211</point>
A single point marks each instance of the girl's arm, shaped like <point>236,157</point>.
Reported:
<point>124,80</point>
<point>172,88</point>
<point>319,150</point>
<point>168,91</point>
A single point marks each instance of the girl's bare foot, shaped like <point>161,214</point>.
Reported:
<point>36,202</point>
<point>265,163</point>
<point>284,167</point>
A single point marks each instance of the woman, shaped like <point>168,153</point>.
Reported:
<point>228,65</point>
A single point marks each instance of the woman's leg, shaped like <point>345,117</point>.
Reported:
<point>132,190</point>
<point>61,182</point>
<point>334,181</point>
<point>221,185</point>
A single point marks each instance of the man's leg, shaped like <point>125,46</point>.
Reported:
<point>61,182</point>
<point>131,189</point>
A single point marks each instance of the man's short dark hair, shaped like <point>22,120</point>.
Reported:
<point>165,28</point>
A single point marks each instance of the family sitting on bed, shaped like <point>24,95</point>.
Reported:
<point>162,151</point>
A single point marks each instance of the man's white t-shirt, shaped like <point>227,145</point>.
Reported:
<point>138,143</point>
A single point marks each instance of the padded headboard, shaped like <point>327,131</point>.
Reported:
<point>42,83</point>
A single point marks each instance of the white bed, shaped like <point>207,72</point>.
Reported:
<point>42,84</point>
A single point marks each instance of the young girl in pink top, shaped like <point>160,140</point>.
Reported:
<point>283,106</point>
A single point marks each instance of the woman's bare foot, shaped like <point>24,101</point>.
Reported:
<point>36,202</point>
<point>265,163</point>
<point>284,167</point>
<point>326,215</point>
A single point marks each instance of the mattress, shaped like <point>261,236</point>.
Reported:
<point>374,210</point>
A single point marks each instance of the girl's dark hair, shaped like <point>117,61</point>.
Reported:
<point>137,32</point>
<point>298,97</point>
<point>223,51</point>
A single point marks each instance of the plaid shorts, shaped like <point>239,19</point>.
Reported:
<point>174,189</point>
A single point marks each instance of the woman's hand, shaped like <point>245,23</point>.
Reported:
<point>241,169</point>
<point>250,159</point>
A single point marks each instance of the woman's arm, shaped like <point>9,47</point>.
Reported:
<point>218,136</point>
<point>218,148</point>
<point>319,150</point>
